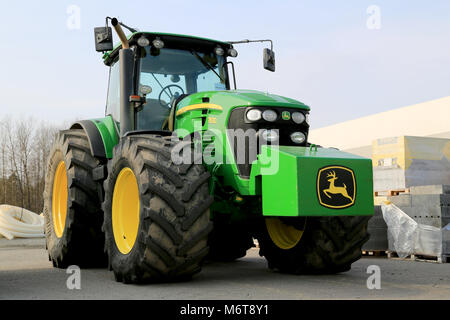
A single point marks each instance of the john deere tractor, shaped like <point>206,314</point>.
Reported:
<point>184,168</point>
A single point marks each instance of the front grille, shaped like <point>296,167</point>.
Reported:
<point>238,120</point>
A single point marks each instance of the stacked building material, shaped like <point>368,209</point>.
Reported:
<point>414,174</point>
<point>377,229</point>
<point>428,206</point>
<point>402,162</point>
<point>446,244</point>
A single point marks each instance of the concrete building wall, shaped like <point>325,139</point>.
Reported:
<point>427,119</point>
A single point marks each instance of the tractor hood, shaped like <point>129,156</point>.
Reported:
<point>217,112</point>
<point>240,98</point>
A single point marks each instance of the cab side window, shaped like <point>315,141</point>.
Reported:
<point>113,100</point>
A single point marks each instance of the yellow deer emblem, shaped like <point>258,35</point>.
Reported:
<point>333,189</point>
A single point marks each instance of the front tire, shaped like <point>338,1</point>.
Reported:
<point>162,237</point>
<point>327,245</point>
<point>72,204</point>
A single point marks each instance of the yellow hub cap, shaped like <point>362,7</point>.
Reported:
<point>59,199</point>
<point>125,210</point>
<point>282,235</point>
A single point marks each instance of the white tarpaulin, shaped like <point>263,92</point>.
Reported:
<point>407,237</point>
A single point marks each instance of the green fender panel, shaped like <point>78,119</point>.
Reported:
<point>102,135</point>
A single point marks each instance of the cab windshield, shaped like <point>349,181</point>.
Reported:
<point>169,73</point>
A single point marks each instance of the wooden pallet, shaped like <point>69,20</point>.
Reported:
<point>420,257</point>
<point>374,253</point>
<point>391,193</point>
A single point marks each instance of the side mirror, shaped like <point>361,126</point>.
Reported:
<point>269,59</point>
<point>103,39</point>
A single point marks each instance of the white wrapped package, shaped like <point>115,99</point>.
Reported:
<point>18,222</point>
<point>402,230</point>
<point>408,237</point>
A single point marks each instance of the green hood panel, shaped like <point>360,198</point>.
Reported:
<point>210,110</point>
<point>239,98</point>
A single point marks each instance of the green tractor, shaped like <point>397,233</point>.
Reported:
<point>184,168</point>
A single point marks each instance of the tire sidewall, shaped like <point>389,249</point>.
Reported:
<point>316,252</point>
<point>54,244</point>
<point>118,260</point>
<point>174,213</point>
<point>272,251</point>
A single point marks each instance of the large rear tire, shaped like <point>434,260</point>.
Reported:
<point>327,244</point>
<point>72,204</point>
<point>156,212</point>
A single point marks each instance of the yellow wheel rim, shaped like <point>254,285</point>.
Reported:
<point>59,199</point>
<point>282,235</point>
<point>125,210</point>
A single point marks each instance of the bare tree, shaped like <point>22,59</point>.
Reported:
<point>3,159</point>
<point>24,149</point>
<point>44,137</point>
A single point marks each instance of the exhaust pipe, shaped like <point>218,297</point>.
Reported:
<point>126,62</point>
<point>120,33</point>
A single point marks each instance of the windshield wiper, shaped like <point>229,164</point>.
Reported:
<point>207,65</point>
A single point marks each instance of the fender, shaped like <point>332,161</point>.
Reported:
<point>94,137</point>
<point>102,135</point>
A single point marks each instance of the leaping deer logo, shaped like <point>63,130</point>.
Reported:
<point>333,189</point>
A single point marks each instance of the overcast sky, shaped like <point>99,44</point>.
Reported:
<point>340,58</point>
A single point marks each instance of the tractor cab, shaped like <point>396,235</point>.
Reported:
<point>167,68</point>
<point>158,70</point>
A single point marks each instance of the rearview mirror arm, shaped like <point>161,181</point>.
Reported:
<point>248,41</point>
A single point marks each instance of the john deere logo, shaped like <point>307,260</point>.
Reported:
<point>336,187</point>
<point>285,115</point>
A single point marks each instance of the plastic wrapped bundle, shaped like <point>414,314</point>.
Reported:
<point>407,237</point>
<point>402,230</point>
<point>20,223</point>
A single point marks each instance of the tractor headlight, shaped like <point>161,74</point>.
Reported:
<point>270,135</point>
<point>143,41</point>
<point>298,117</point>
<point>307,118</point>
<point>219,51</point>
<point>269,115</point>
<point>298,137</point>
<point>232,52</point>
<point>158,43</point>
<point>254,115</point>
